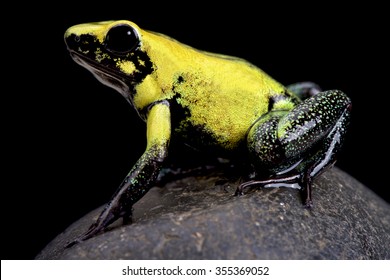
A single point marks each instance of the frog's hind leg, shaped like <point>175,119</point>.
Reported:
<point>303,141</point>
<point>304,90</point>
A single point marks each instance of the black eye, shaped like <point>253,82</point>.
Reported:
<point>121,39</point>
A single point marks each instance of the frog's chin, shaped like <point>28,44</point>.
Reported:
<point>112,80</point>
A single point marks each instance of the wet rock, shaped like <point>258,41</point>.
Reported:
<point>198,217</point>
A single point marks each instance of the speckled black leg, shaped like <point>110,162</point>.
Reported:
<point>134,186</point>
<point>303,141</point>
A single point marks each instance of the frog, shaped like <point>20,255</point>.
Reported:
<point>214,103</point>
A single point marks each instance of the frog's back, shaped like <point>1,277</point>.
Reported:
<point>217,97</point>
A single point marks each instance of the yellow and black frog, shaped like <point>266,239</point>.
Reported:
<point>211,102</point>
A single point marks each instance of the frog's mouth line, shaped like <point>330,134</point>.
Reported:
<point>114,79</point>
<point>94,66</point>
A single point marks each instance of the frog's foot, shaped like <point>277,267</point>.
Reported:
<point>305,185</point>
<point>92,231</point>
<point>107,217</point>
<point>272,182</point>
<point>304,181</point>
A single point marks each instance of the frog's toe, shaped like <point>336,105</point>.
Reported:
<point>92,231</point>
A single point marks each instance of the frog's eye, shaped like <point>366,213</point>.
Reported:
<point>121,39</point>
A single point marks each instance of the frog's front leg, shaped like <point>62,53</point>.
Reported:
<point>295,146</point>
<point>141,177</point>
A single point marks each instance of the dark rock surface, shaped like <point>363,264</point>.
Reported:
<point>199,218</point>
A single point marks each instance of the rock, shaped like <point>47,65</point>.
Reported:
<point>199,218</point>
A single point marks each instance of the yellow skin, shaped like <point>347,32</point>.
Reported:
<point>209,101</point>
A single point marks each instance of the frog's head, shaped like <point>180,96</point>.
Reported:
<point>112,51</point>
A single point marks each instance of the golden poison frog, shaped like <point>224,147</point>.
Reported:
<point>211,102</point>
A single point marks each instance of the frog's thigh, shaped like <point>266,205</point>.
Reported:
<point>304,90</point>
<point>283,137</point>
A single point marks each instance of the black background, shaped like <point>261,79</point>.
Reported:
<point>69,141</point>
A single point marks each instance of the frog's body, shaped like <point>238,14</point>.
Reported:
<point>209,101</point>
